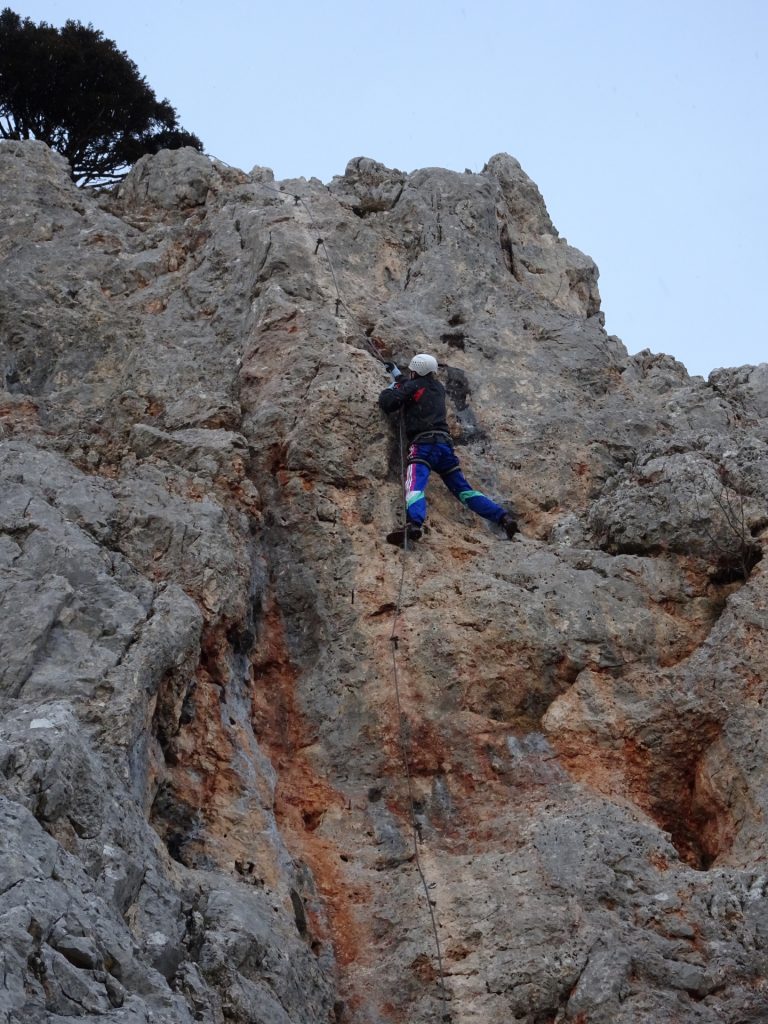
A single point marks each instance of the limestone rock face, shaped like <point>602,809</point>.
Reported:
<point>219,800</point>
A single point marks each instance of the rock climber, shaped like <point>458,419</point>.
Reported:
<point>422,399</point>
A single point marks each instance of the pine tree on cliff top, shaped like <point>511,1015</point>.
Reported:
<point>74,90</point>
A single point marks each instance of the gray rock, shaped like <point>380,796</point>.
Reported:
<point>174,178</point>
<point>204,452</point>
<point>745,386</point>
<point>206,811</point>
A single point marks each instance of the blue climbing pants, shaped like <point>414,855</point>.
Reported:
<point>422,458</point>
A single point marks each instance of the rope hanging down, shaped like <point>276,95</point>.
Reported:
<point>402,730</point>
<point>404,745</point>
<point>394,639</point>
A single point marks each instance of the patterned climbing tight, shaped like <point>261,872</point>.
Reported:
<point>442,458</point>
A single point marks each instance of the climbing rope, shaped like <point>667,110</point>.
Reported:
<point>403,738</point>
<point>394,639</point>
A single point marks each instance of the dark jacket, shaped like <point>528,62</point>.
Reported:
<point>423,400</point>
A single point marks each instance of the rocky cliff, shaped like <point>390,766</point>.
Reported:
<point>205,809</point>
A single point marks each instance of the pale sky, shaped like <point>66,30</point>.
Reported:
<point>643,124</point>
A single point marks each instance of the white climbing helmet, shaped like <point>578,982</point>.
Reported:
<point>423,364</point>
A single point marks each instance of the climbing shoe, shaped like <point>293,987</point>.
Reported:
<point>509,526</point>
<point>414,531</point>
<point>404,535</point>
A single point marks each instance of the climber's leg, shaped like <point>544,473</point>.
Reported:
<point>416,479</point>
<point>458,485</point>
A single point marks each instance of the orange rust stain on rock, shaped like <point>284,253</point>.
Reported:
<point>424,969</point>
<point>456,954</point>
<point>659,860</point>
<point>302,796</point>
<point>425,748</point>
<point>428,748</point>
<point>23,408</point>
<point>248,500</point>
<point>434,753</point>
<point>18,414</point>
<point>663,785</point>
<point>276,718</point>
<point>462,554</point>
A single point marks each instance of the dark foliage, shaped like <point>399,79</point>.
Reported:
<point>74,90</point>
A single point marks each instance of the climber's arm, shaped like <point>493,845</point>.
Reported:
<point>393,398</point>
